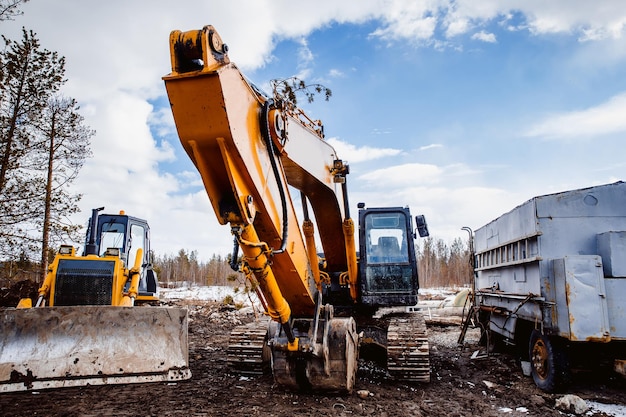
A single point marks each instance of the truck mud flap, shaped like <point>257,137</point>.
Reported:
<point>54,347</point>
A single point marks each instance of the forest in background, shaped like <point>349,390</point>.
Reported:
<point>439,264</point>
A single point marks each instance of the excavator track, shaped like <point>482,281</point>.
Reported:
<point>407,349</point>
<point>248,353</point>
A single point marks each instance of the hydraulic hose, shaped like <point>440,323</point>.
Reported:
<point>234,263</point>
<point>265,132</point>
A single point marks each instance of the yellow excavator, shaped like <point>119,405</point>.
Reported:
<point>93,322</point>
<point>253,153</point>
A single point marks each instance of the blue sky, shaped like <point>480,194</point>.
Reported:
<point>460,109</point>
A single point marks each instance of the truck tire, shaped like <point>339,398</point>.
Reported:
<point>549,362</point>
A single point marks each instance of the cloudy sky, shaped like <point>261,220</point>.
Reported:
<point>460,109</point>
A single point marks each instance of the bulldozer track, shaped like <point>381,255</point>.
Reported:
<point>407,349</point>
<point>247,352</point>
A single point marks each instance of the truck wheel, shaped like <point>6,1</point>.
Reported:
<point>549,362</point>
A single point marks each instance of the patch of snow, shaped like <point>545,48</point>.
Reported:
<point>438,293</point>
<point>615,410</point>
<point>207,293</point>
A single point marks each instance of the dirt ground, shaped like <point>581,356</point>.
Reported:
<point>460,386</point>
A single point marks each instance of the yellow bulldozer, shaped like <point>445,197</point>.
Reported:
<point>96,319</point>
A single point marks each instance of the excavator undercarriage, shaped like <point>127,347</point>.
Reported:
<point>398,344</point>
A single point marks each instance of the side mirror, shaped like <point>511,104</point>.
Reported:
<point>422,227</point>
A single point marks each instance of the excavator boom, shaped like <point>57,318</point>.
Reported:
<point>248,150</point>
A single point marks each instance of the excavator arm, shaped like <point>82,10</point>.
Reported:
<point>248,149</point>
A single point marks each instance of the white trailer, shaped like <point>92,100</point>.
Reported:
<point>550,278</point>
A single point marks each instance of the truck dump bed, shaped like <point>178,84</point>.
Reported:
<point>558,260</point>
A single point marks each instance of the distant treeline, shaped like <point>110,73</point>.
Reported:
<point>185,266</point>
<point>439,265</point>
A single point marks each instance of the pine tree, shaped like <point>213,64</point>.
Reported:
<point>29,76</point>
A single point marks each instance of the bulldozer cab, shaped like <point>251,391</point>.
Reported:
<point>387,264</point>
<point>122,235</point>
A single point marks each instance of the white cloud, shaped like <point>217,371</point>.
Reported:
<point>431,146</point>
<point>590,20</point>
<point>606,118</point>
<point>447,208</point>
<point>162,121</point>
<point>484,36</point>
<point>408,20</point>
<point>353,154</point>
<point>190,178</point>
<point>305,55</point>
<point>336,73</point>
<point>400,176</point>
<point>415,173</point>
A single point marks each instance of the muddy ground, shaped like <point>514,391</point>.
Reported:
<point>460,386</point>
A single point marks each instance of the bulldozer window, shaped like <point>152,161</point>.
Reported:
<point>137,241</point>
<point>112,237</point>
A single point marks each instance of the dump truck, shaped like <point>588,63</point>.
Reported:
<point>96,319</point>
<point>550,279</point>
<point>278,185</point>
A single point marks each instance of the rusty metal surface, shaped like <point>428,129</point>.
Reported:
<point>55,347</point>
<point>582,306</point>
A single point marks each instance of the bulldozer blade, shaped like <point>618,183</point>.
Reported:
<point>54,347</point>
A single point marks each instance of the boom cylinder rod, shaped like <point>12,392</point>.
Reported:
<point>256,255</point>
<point>308,229</point>
<point>348,233</point>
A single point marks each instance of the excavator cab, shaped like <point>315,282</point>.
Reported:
<point>387,263</point>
